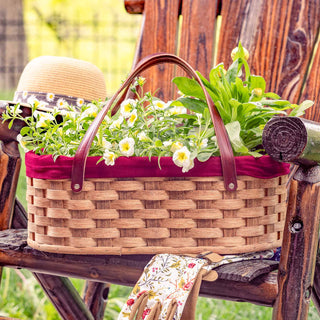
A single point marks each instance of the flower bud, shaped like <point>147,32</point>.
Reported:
<point>257,92</point>
<point>235,50</point>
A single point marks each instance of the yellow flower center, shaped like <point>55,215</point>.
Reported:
<point>182,156</point>
<point>127,108</point>
<point>133,118</point>
<point>126,146</point>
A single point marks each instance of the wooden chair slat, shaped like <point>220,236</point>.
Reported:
<point>311,89</point>
<point>197,42</point>
<point>251,283</point>
<point>280,36</point>
<point>160,20</point>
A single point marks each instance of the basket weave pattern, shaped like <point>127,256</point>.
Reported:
<point>156,215</point>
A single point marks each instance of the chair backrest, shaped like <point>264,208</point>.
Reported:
<point>281,37</point>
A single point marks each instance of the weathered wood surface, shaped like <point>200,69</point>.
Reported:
<point>311,89</point>
<point>299,249</point>
<point>280,35</point>
<point>9,173</point>
<point>10,163</point>
<point>158,34</point>
<point>126,270</point>
<point>316,284</point>
<point>197,43</point>
<point>61,289</point>
<point>137,6</point>
<point>291,139</point>
<point>95,298</point>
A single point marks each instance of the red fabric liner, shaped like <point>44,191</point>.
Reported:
<point>43,167</point>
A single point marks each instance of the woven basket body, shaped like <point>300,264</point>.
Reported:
<point>156,215</point>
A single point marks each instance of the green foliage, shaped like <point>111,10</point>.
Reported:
<point>144,127</point>
<point>21,297</point>
<point>241,100</point>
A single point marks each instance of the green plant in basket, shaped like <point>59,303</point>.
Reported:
<point>241,100</point>
<point>146,126</point>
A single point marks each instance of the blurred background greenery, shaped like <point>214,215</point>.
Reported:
<point>102,32</point>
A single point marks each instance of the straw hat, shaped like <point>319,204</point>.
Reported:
<point>55,80</point>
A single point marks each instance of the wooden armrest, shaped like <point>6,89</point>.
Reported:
<point>252,283</point>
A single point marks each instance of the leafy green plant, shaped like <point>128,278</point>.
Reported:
<point>241,100</point>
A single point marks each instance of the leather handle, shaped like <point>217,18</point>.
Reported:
<point>227,158</point>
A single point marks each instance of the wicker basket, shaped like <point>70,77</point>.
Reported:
<point>156,214</point>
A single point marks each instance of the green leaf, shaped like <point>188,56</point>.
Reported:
<point>299,110</point>
<point>256,82</point>
<point>234,129</point>
<point>194,105</point>
<point>233,71</point>
<point>158,143</point>
<point>189,87</point>
<point>240,91</point>
<point>234,108</point>
<point>275,103</point>
<point>25,130</point>
<point>203,156</point>
<point>216,73</point>
<point>272,95</point>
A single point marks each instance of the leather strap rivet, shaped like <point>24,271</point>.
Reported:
<point>76,186</point>
<point>231,186</point>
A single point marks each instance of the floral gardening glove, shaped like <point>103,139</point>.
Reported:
<point>168,288</point>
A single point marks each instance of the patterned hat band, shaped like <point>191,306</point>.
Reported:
<point>48,100</point>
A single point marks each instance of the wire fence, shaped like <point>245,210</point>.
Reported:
<point>108,43</point>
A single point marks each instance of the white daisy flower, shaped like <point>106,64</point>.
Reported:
<point>50,97</point>
<point>141,81</point>
<point>91,111</point>
<point>167,143</point>
<point>61,103</point>
<point>204,143</point>
<point>24,94</point>
<point>14,109</point>
<point>126,147</point>
<point>132,119</point>
<point>22,142</point>
<point>127,106</point>
<point>80,102</point>
<point>109,158</point>
<point>43,118</point>
<point>68,113</point>
<point>33,100</point>
<point>176,146</point>
<point>160,105</point>
<point>178,110</point>
<point>142,136</point>
<point>42,104</point>
<point>106,144</point>
<point>117,123</point>
<point>181,158</point>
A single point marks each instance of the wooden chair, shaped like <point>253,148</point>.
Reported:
<point>282,38</point>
